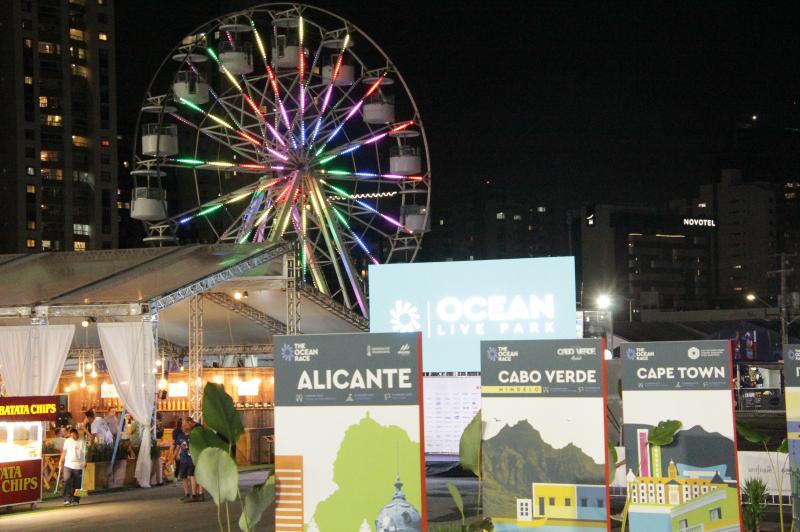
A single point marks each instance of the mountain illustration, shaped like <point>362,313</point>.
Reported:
<point>517,456</point>
<point>695,446</point>
<point>365,470</point>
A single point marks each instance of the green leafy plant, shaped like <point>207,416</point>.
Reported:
<point>755,491</point>
<point>759,438</point>
<point>99,452</point>
<point>469,450</point>
<point>216,471</point>
<point>663,433</point>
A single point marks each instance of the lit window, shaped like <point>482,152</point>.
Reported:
<point>30,243</point>
<point>56,174</point>
<point>79,246</point>
<point>49,155</point>
<point>45,245</point>
<point>78,35</point>
<point>51,120</point>
<point>78,70</point>
<point>81,141</point>
<point>541,209</point>
<point>48,48</point>
<point>30,170</point>
<point>28,43</point>
<point>103,36</point>
<point>790,195</point>
<point>105,142</point>
<point>31,224</point>
<point>530,228</point>
<point>441,222</point>
<point>42,101</point>
<point>30,189</point>
<point>28,80</point>
<point>501,216</point>
<point>80,229</point>
<point>517,217</point>
<point>701,205</point>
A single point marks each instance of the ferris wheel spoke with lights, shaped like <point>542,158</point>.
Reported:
<point>287,123</point>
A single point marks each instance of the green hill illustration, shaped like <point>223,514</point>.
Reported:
<point>517,456</point>
<point>365,471</point>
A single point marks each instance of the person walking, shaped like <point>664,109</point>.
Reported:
<point>72,461</point>
<point>184,460</point>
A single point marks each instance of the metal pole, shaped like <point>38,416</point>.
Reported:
<point>784,332</point>
<point>195,359</point>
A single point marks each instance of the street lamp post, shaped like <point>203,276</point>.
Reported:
<point>604,302</point>
<point>782,316</point>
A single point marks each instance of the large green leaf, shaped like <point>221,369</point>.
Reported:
<point>469,447</point>
<point>456,495</point>
<point>201,438</point>
<point>256,502</point>
<point>784,446</point>
<point>220,414</point>
<point>750,434</point>
<point>217,473</point>
<point>612,458</point>
<point>663,433</point>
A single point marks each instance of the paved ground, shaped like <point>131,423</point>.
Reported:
<point>159,509</point>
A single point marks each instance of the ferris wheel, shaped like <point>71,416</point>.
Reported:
<point>286,122</point>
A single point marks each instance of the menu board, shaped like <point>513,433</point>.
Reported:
<point>450,404</point>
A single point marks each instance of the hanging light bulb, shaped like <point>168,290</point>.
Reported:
<point>182,367</point>
<point>88,365</point>
<point>78,372</point>
<point>85,323</point>
<point>83,382</point>
<point>155,369</point>
<point>162,384</point>
<point>93,374</point>
<point>158,362</point>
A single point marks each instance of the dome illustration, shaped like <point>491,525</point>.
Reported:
<point>399,515</point>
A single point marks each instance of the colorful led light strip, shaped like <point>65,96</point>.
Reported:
<point>209,210</point>
<point>344,194</point>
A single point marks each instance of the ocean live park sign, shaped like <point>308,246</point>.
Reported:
<point>699,222</point>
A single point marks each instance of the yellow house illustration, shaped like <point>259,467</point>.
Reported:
<point>574,502</point>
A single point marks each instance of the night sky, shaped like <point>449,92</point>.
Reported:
<point>567,102</point>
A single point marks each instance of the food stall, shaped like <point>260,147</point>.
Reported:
<point>251,388</point>
<point>21,432</point>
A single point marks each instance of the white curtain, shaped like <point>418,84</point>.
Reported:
<point>129,353</point>
<point>33,356</point>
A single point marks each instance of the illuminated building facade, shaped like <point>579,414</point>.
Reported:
<point>58,154</point>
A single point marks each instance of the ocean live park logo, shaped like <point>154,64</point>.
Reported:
<point>477,315</point>
<point>298,352</point>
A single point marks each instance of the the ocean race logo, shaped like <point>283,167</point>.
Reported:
<point>287,353</point>
<point>298,352</point>
<point>522,315</point>
<point>500,353</point>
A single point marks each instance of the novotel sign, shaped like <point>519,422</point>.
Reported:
<point>457,304</point>
<point>699,222</point>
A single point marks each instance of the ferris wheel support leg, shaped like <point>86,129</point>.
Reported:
<point>337,236</point>
<point>323,229</point>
